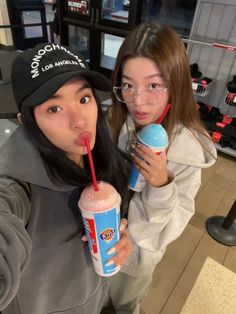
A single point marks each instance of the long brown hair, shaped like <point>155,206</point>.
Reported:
<point>164,46</point>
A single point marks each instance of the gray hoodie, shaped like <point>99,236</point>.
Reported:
<point>44,266</point>
<point>158,215</point>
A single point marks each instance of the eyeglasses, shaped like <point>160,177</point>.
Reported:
<point>127,94</point>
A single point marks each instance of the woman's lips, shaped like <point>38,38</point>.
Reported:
<point>140,115</point>
<point>82,138</point>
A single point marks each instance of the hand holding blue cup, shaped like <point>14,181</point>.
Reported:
<point>155,137</point>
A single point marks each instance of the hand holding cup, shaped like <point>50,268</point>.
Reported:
<point>150,158</point>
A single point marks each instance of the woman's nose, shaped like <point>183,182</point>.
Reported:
<point>139,99</point>
<point>77,119</point>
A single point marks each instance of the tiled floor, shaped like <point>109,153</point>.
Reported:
<point>178,270</point>
<point>6,129</point>
<point>176,274</point>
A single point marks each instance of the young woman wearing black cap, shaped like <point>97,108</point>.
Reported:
<point>45,267</point>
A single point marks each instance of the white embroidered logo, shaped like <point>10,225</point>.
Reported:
<point>37,58</point>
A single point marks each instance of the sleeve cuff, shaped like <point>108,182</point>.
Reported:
<point>160,193</point>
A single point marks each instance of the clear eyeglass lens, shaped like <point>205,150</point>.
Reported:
<point>127,95</point>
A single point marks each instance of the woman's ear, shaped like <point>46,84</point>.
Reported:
<point>19,117</point>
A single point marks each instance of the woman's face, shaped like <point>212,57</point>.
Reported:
<point>68,117</point>
<point>151,94</point>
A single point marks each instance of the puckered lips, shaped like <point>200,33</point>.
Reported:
<point>141,115</point>
<point>82,138</point>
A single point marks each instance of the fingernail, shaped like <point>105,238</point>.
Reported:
<point>109,263</point>
<point>122,227</point>
<point>111,251</point>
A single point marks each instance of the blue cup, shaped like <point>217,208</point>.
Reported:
<point>155,137</point>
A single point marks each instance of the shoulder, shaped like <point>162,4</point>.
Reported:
<point>191,148</point>
<point>20,160</point>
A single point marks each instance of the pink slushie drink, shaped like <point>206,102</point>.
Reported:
<point>101,217</point>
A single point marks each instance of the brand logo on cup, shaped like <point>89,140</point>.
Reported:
<point>107,235</point>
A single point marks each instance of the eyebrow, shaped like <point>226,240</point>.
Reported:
<point>84,86</point>
<point>149,76</point>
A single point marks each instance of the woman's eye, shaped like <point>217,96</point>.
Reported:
<point>126,85</point>
<point>54,109</point>
<point>153,86</point>
<point>85,100</point>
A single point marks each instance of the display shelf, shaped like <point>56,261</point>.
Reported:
<point>208,42</point>
<point>212,126</point>
<point>230,99</point>
<point>227,132</point>
<point>226,150</point>
<point>202,88</point>
<point>216,59</point>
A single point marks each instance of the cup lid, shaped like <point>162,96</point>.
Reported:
<point>153,135</point>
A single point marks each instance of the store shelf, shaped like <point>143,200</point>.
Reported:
<point>212,47</point>
<point>230,99</point>
<point>202,90</point>
<point>229,132</point>
<point>226,150</point>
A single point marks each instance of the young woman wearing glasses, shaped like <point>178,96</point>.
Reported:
<point>151,72</point>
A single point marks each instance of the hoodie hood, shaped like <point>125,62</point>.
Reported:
<point>192,149</point>
<point>19,159</point>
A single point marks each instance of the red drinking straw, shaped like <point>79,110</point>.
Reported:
<point>167,108</point>
<point>91,164</point>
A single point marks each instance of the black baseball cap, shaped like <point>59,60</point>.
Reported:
<point>39,72</point>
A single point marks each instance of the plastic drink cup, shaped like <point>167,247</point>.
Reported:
<point>101,217</point>
<point>155,137</point>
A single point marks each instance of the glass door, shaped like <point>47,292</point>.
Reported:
<point>99,48</point>
<point>76,19</point>
<point>25,14</point>
<point>77,8</point>
<point>114,10</point>
<point>79,39</point>
<point>177,14</point>
<point>117,12</point>
<point>97,28</point>
<point>110,45</point>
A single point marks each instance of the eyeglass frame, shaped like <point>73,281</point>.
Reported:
<point>135,91</point>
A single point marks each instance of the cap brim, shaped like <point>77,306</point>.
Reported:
<point>49,88</point>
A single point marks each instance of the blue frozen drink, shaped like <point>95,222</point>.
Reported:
<point>155,137</point>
